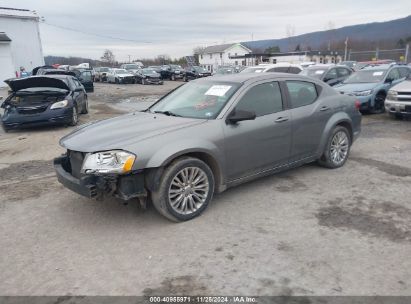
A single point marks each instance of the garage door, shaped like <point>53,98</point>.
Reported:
<point>6,63</point>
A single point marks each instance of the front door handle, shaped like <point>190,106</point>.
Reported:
<point>281,119</point>
<point>324,108</point>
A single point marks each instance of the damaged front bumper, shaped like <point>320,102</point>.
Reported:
<point>124,187</point>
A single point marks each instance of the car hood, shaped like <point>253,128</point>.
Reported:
<point>355,87</point>
<point>36,82</point>
<point>404,86</point>
<point>123,131</point>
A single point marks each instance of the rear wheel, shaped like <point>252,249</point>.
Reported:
<point>337,148</point>
<point>186,188</point>
<point>378,107</point>
<point>74,116</point>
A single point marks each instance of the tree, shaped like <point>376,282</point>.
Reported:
<point>298,48</point>
<point>108,57</point>
<point>272,49</point>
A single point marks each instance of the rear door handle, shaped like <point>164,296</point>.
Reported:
<point>281,119</point>
<point>324,108</point>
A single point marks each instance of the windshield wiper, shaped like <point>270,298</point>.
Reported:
<point>168,113</point>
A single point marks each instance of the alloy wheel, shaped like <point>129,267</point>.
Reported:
<point>339,147</point>
<point>188,190</point>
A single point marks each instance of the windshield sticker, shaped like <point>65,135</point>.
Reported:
<point>377,73</point>
<point>319,72</point>
<point>218,90</point>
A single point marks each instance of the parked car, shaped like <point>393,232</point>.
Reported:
<point>398,101</point>
<point>349,63</point>
<point>224,70</point>
<point>277,68</point>
<point>208,135</point>
<point>132,67</point>
<point>370,85</point>
<point>101,74</point>
<point>172,72</point>
<point>329,73</point>
<point>195,72</point>
<point>120,76</point>
<point>148,76</point>
<point>44,100</point>
<point>83,75</point>
<point>156,68</point>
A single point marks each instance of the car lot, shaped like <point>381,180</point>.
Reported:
<point>308,231</point>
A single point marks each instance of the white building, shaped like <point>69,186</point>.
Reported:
<point>220,55</point>
<point>21,43</point>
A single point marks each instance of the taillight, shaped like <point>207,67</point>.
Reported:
<point>357,104</point>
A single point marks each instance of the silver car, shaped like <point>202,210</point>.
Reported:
<point>398,101</point>
<point>209,135</point>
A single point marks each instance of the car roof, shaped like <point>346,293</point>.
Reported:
<point>378,67</point>
<point>244,77</point>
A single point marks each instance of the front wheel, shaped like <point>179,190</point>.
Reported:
<point>74,116</point>
<point>186,188</point>
<point>85,107</point>
<point>337,149</point>
<point>173,77</point>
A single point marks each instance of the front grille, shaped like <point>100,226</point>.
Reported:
<point>76,162</point>
<point>31,110</point>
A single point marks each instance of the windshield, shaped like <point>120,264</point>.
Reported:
<point>176,67</point>
<point>366,76</point>
<point>225,71</point>
<point>253,70</point>
<point>148,71</point>
<point>104,69</point>
<point>86,75</point>
<point>200,69</point>
<point>131,67</point>
<point>121,72</point>
<point>202,100</point>
<point>315,73</point>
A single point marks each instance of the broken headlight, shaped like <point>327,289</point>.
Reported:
<point>108,162</point>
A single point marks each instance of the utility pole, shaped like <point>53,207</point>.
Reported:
<point>129,58</point>
<point>345,50</point>
<point>407,50</point>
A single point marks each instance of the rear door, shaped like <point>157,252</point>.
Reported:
<point>309,113</point>
<point>256,145</point>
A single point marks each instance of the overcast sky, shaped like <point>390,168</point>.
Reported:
<point>175,27</point>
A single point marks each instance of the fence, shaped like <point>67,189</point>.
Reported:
<point>400,55</point>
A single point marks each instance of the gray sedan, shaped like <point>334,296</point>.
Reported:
<point>208,135</point>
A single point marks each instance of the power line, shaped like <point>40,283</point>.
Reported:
<point>95,34</point>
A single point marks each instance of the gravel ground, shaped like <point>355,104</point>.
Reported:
<point>308,231</point>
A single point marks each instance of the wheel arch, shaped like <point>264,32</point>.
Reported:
<point>154,173</point>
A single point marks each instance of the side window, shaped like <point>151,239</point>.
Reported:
<point>294,70</point>
<point>331,74</point>
<point>404,72</point>
<point>394,74</point>
<point>301,93</point>
<point>342,72</point>
<point>262,99</point>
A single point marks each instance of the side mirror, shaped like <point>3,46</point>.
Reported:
<point>389,80</point>
<point>240,115</point>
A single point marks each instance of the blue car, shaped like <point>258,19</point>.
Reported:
<point>371,84</point>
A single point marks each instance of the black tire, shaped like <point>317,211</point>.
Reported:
<point>143,81</point>
<point>185,79</point>
<point>160,197</point>
<point>116,81</point>
<point>74,116</point>
<point>378,107</point>
<point>326,160</point>
<point>85,107</point>
<point>173,77</point>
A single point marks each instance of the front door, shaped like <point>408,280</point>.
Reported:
<point>256,145</point>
